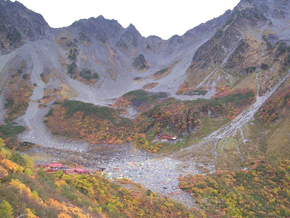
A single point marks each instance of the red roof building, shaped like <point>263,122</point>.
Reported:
<point>51,165</point>
<point>165,137</point>
<point>74,171</point>
<point>54,167</point>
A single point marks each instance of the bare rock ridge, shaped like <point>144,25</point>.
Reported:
<point>130,38</point>
<point>100,28</point>
<point>19,24</point>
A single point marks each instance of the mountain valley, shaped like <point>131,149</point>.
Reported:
<point>172,115</point>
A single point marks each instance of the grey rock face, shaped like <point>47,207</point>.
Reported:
<point>140,62</point>
<point>18,25</point>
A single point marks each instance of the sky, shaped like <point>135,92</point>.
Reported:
<point>163,18</point>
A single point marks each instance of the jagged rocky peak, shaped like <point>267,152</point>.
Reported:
<point>176,39</point>
<point>31,25</point>
<point>130,37</point>
<point>271,8</point>
<point>208,27</point>
<point>246,14</point>
<point>18,25</point>
<point>233,47</point>
<point>132,29</point>
<point>276,12</point>
<point>99,28</point>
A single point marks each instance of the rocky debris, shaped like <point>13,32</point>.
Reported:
<point>159,175</point>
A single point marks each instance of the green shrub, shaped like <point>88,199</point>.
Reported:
<point>148,192</point>
<point>84,37</point>
<point>71,44</point>
<point>264,66</point>
<point>219,33</point>
<point>250,70</point>
<point>13,35</point>
<point>137,94</point>
<point>288,60</point>
<point>137,78</point>
<point>282,48</point>
<point>143,66</point>
<point>89,109</point>
<point>103,39</point>
<point>9,103</point>
<point>160,72</point>
<point>73,54</point>
<point>17,158</point>
<point>25,76</point>
<point>88,75</point>
<point>6,210</point>
<point>10,131</point>
<point>96,75</point>
<point>238,99</point>
<point>197,92</point>
<point>72,69</point>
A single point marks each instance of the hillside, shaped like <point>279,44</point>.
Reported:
<point>260,190</point>
<point>101,95</point>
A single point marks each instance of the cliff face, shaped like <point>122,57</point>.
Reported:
<point>18,25</point>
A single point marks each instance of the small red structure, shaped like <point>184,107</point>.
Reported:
<point>74,171</point>
<point>54,167</point>
<point>165,137</point>
<point>51,170</point>
<point>51,165</point>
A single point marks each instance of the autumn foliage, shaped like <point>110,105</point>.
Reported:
<point>184,117</point>
<point>259,192</point>
<point>19,89</point>
<point>275,107</point>
<point>85,121</point>
<point>99,125</point>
